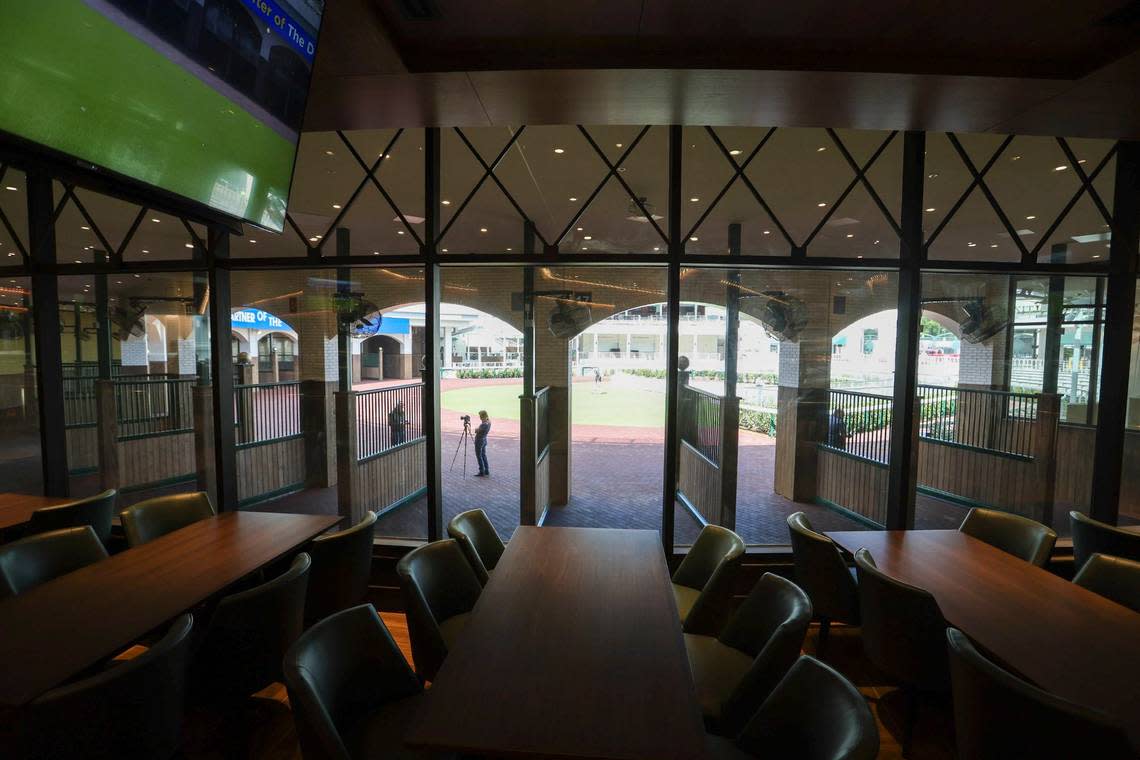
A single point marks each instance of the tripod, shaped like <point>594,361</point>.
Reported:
<point>463,439</point>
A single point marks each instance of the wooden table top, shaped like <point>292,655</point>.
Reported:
<point>1069,641</point>
<point>574,650</point>
<point>16,508</point>
<point>56,630</point>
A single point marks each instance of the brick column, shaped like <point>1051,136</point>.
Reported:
<point>552,368</point>
<point>317,369</point>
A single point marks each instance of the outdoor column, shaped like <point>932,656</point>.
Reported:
<point>552,368</point>
<point>317,369</point>
<point>349,498</point>
<point>983,366</point>
<point>108,426</point>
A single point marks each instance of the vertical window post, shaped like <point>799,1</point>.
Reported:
<point>433,457</point>
<point>222,365</point>
<point>673,294</point>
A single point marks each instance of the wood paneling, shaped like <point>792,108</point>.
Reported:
<point>56,630</point>
<point>698,480</point>
<point>573,650</point>
<point>985,478</point>
<point>382,481</point>
<point>270,468</point>
<point>1067,640</point>
<point>854,484</point>
<point>155,459</point>
<point>82,448</point>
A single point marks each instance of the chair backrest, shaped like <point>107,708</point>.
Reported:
<point>478,539</point>
<point>997,715</point>
<point>95,511</point>
<point>342,568</point>
<point>1013,534</point>
<point>249,633</point>
<point>904,632</point>
<point>822,573</point>
<point>770,625</point>
<point>1114,578</point>
<point>711,566</point>
<point>156,517</point>
<point>814,713</point>
<point>343,668</point>
<point>437,583</point>
<point>27,563</point>
<point>130,710</point>
<point>1095,537</point>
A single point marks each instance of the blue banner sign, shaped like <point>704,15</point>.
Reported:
<point>256,319</point>
<point>384,326</point>
<point>285,27</point>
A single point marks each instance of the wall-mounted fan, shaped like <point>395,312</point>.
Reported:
<point>359,316</point>
<point>128,321</point>
<point>569,318</point>
<point>982,321</point>
<point>784,316</point>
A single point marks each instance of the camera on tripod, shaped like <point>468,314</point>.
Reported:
<point>466,420</point>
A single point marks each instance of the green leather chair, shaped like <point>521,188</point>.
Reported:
<point>156,517</point>
<point>1114,578</point>
<point>95,511</point>
<point>814,713</point>
<point>350,689</point>
<point>1095,537</point>
<point>439,590</point>
<point>341,571</point>
<point>479,541</point>
<point>131,709</point>
<point>27,563</point>
<point>904,635</point>
<point>998,716</point>
<point>1013,534</point>
<point>702,584</point>
<point>822,572</point>
<point>735,671</point>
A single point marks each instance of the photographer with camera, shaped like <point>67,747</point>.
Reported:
<point>481,444</point>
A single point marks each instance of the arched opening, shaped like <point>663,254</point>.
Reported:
<point>155,345</point>
<point>277,358</point>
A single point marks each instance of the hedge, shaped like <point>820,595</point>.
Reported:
<point>488,373</point>
<point>708,374</point>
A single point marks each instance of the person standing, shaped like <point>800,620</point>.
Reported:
<point>837,430</point>
<point>481,444</point>
<point>397,423</point>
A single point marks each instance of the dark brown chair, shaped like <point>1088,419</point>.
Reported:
<point>350,689</point>
<point>479,540</point>
<point>702,584</point>
<point>241,648</point>
<point>131,710</point>
<point>814,713</point>
<point>95,511</point>
<point>824,575</point>
<point>27,563</point>
<point>342,568</point>
<point>1113,578</point>
<point>1095,537</point>
<point>736,671</point>
<point>1013,534</point>
<point>439,590</point>
<point>904,635</point>
<point>998,716</point>
<point>156,517</point>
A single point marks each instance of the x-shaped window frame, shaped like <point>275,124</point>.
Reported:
<point>8,224</point>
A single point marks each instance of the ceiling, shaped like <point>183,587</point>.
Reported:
<point>1013,66</point>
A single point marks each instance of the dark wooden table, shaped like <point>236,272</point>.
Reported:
<point>1069,641</point>
<point>16,508</point>
<point>56,630</point>
<point>574,650</point>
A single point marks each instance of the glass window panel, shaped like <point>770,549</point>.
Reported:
<point>552,172</point>
<point>975,233</point>
<point>1130,477</point>
<point>20,458</point>
<point>857,229</point>
<point>14,205</point>
<point>324,178</point>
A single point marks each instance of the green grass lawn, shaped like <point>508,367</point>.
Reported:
<point>608,406</point>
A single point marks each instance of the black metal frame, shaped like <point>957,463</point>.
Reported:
<point>39,262</point>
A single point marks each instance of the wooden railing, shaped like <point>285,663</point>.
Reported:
<point>708,426</point>
<point>378,420</point>
<point>534,457</point>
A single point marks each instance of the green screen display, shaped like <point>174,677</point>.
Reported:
<point>202,98</point>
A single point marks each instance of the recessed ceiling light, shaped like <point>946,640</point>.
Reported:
<point>482,229</point>
<point>656,248</point>
<point>876,242</point>
<point>767,232</point>
<point>77,261</point>
<point>445,250</point>
<point>588,237</point>
<point>617,145</point>
<point>971,245</point>
<point>446,202</point>
<point>313,239</point>
<point>579,229</point>
<point>1081,160</point>
<point>694,199</point>
<point>930,210</point>
<point>509,249</point>
<point>820,149</point>
<point>735,152</point>
<point>559,151</point>
<point>585,248</point>
<point>13,189</point>
<point>336,205</point>
<point>399,232</point>
<point>1060,168</point>
<point>328,152</point>
<point>859,256</point>
<point>189,245</point>
<point>850,234</point>
<point>84,227</point>
<point>137,276</point>
<point>1015,158</point>
<point>821,205</point>
<point>252,240</point>
<point>694,238</point>
<point>573,200</point>
<point>376,253</point>
<point>932,176</point>
<point>156,220</point>
<point>993,245</point>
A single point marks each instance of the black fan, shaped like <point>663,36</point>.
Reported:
<point>569,318</point>
<point>359,316</point>
<point>128,321</point>
<point>982,322</point>
<point>784,316</point>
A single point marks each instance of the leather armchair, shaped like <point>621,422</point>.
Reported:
<point>1095,537</point>
<point>1114,578</point>
<point>342,567</point>
<point>439,590</point>
<point>702,584</point>
<point>156,517</point>
<point>814,713</point>
<point>736,671</point>
<point>1013,534</point>
<point>27,563</point>
<point>350,689</point>
<point>95,511</point>
<point>999,716</point>
<point>241,648</point>
<point>822,572</point>
<point>479,540</point>
<point>131,710</point>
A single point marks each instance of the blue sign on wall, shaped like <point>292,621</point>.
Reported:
<point>285,27</point>
<point>394,326</point>
<point>256,319</point>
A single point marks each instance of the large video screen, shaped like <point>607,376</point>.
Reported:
<point>202,98</point>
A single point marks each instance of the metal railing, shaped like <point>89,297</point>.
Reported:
<point>379,424</point>
<point>860,424</point>
<point>154,406</point>
<point>266,412</point>
<point>542,421</point>
<point>79,407</point>
<point>700,421</point>
<point>996,421</point>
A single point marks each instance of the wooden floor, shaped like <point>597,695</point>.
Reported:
<point>271,734</point>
